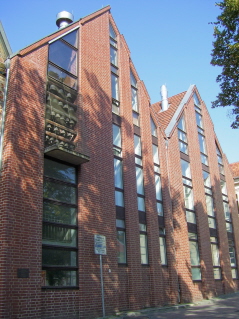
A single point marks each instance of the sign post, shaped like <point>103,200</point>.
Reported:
<point>100,249</point>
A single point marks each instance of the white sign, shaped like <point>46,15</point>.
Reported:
<point>100,244</point>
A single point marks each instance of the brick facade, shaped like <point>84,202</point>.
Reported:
<point>130,285</point>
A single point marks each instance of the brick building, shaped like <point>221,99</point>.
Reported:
<point>84,153</point>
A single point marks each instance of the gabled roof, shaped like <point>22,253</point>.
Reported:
<point>235,169</point>
<point>169,118</point>
<point>166,116</point>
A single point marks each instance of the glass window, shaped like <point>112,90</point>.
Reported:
<point>160,209</point>
<point>113,56</point>
<point>63,56</point>
<point>181,124</point>
<point>153,128</point>
<point>58,235</point>
<point>59,171</point>
<point>59,257</point>
<point>196,273</point>
<point>144,249</point>
<point>183,147</point>
<point>212,223</point>
<point>199,120</point>
<point>62,76</point>
<point>72,38</point>
<point>227,211</point>
<point>137,145</point>
<point>202,143</point>
<point>141,203</point>
<point>196,100</point>
<point>191,217</point>
<point>119,198</point>
<point>182,136</point>
<point>133,79</point>
<point>158,187</point>
<point>229,227</point>
<point>217,273</point>
<point>215,255</point>
<point>139,180</point>
<point>155,154</point>
<point>121,246</point>
<point>206,178</point>
<point>232,255</point>
<point>188,197</point>
<point>59,192</point>
<point>56,278</point>
<point>134,99</point>
<point>223,187</point>
<point>58,213</point>
<point>234,273</point>
<point>186,172</point>
<point>114,86</point>
<point>163,254</point>
<point>118,173</point>
<point>136,118</point>
<point>204,159</point>
<point>112,32</point>
<point>209,204</point>
<point>194,256</point>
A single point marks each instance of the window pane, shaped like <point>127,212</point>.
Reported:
<point>112,32</point>
<point>133,81</point>
<point>206,178</point>
<point>227,211</point>
<point>209,204</point>
<point>163,255</point>
<point>121,246</point>
<point>223,187</point>
<point>143,249</point>
<point>155,154</point>
<point>119,198</point>
<point>118,173</point>
<point>194,254</point>
<point>234,273</point>
<point>60,192</point>
<point>212,223</point>
<point>217,273</point>
<point>59,171</point>
<point>196,273</point>
<point>139,180</point>
<point>62,76</point>
<point>199,120</point>
<point>183,147</point>
<point>215,255</point>
<point>134,99</point>
<point>59,213</point>
<point>202,144</point>
<point>196,100</point>
<point>63,56</point>
<point>141,204</point>
<point>185,168</point>
<point>57,235</point>
<point>181,124</point>
<point>153,128</point>
<point>137,145</point>
<point>135,118</point>
<point>204,159</point>
<point>142,227</point>
<point>232,256</point>
<point>71,38</point>
<point>159,209</point>
<point>182,136</point>
<point>191,217</point>
<point>113,55</point>
<point>229,227</point>
<point>158,187</point>
<point>120,223</point>
<point>58,257</point>
<point>56,278</point>
<point>188,197</point>
<point>138,161</point>
<point>114,87</point>
<point>116,136</point>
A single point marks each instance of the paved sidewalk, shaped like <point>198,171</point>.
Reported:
<point>225,306</point>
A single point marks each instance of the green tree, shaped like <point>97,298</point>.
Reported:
<point>226,54</point>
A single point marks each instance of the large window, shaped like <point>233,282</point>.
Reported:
<point>143,244</point>
<point>194,256</point>
<point>182,136</point>
<point>134,99</point>
<point>118,166</point>
<point>59,234</point>
<point>121,241</point>
<point>114,71</point>
<point>139,173</point>
<point>215,258</point>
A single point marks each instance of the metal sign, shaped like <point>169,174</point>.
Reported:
<point>100,244</point>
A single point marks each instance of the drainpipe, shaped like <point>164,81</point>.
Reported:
<point>7,65</point>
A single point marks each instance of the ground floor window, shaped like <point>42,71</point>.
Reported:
<point>59,233</point>
<point>194,256</point>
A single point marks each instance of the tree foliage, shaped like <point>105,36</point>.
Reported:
<point>226,54</point>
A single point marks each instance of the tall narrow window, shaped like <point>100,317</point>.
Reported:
<point>162,246</point>
<point>134,99</point>
<point>139,173</point>
<point>215,258</point>
<point>220,161</point>
<point>118,166</point>
<point>114,71</point>
<point>143,244</point>
<point>121,241</point>
<point>157,178</point>
<point>194,256</point>
<point>153,127</point>
<point>232,255</point>
<point>188,192</point>
<point>209,200</point>
<point>59,234</point>
<point>182,136</point>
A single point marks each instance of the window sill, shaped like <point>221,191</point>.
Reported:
<point>60,287</point>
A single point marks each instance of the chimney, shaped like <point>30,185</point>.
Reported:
<point>63,19</point>
<point>164,95</point>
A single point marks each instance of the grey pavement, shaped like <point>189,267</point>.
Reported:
<point>226,307</point>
